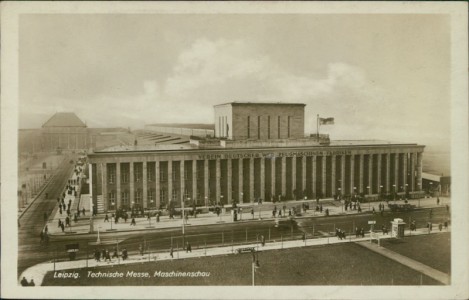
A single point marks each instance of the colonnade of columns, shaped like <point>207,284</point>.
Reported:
<point>152,184</point>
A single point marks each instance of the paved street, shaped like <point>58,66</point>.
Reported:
<point>32,219</point>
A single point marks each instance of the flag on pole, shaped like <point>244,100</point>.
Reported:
<point>326,121</point>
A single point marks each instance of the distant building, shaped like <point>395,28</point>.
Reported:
<point>65,131</point>
<point>259,151</point>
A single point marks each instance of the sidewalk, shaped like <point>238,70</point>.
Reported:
<point>82,226</point>
<point>38,271</point>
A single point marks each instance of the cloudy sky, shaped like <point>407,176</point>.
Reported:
<point>380,76</point>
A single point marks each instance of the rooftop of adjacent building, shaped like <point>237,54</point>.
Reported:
<point>258,103</point>
<point>64,119</point>
<point>185,125</point>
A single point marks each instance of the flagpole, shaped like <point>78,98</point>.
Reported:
<point>317,127</point>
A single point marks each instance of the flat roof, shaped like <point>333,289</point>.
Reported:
<point>184,125</point>
<point>258,103</point>
<point>176,147</point>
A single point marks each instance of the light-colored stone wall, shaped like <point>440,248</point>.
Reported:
<point>237,119</point>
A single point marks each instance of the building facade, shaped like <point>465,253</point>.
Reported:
<point>242,169</point>
<point>65,131</point>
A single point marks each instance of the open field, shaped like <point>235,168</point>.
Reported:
<point>433,250</point>
<point>343,264</point>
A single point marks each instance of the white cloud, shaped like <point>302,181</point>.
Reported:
<point>212,72</point>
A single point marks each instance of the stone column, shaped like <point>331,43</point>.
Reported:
<point>251,180</point>
<point>194,180</point>
<point>396,174</point>
<point>284,175</point>
<point>315,176</point>
<point>388,172</point>
<point>412,172</point>
<point>104,186</point>
<point>262,179</point>
<point>217,181</point>
<point>342,175</point>
<point>293,176</point>
<point>229,184</point>
<point>170,180</point>
<point>131,183</point>
<point>352,173</point>
<point>272,172</point>
<point>182,180</point>
<point>419,170</point>
<point>157,184</point>
<point>118,185</point>
<point>144,184</point>
<point>333,175</point>
<point>324,178</point>
<point>206,166</point>
<point>240,180</point>
<point>370,174</point>
<point>378,181</point>
<point>361,171</point>
<point>404,171</point>
<point>303,174</point>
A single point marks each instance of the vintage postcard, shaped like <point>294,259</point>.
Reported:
<point>251,150</point>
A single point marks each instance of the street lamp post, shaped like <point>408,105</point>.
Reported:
<point>255,265</point>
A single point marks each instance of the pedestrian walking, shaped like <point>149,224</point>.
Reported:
<point>106,218</point>
<point>60,223</point>
<point>263,240</point>
<point>440,226</point>
<point>171,252</point>
<point>289,212</point>
<point>97,255</point>
<point>188,247</point>
<point>67,221</point>
<point>446,225</point>
<point>62,226</point>
<point>437,200</point>
<point>83,211</point>
<point>252,213</point>
<point>124,254</point>
<point>133,223</point>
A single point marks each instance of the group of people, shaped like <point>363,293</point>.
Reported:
<point>24,282</point>
<point>352,205</point>
<point>106,255</point>
<point>359,232</point>
<point>340,234</point>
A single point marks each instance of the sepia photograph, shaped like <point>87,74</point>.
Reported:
<point>251,150</point>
